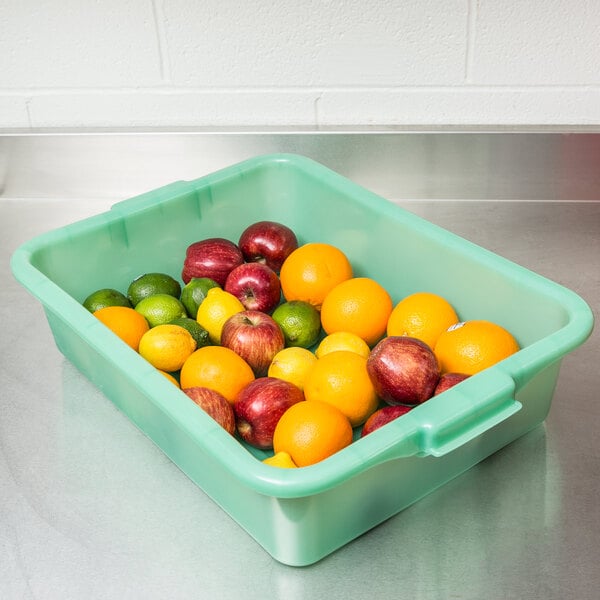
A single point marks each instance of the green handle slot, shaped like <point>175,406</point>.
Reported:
<point>464,413</point>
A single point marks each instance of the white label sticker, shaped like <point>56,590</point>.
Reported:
<point>455,326</point>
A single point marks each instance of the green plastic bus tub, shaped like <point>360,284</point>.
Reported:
<point>301,515</point>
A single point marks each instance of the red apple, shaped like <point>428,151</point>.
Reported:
<point>404,370</point>
<point>213,258</point>
<point>216,405</point>
<point>268,242</point>
<point>255,285</point>
<point>382,416</point>
<point>255,336</point>
<point>259,407</point>
<point>447,380</point>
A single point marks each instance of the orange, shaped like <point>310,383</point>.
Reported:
<point>359,305</point>
<point>472,346</point>
<point>311,432</point>
<point>169,377</point>
<point>422,315</point>
<point>342,340</point>
<point>312,270</point>
<point>217,368</point>
<point>125,322</point>
<point>167,347</point>
<point>341,379</point>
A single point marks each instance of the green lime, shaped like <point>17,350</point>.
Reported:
<point>105,297</point>
<point>300,323</point>
<point>198,332</point>
<point>194,292</point>
<point>151,284</point>
<point>160,309</point>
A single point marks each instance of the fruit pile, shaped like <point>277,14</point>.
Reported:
<point>286,348</point>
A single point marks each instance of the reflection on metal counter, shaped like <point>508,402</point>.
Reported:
<point>88,503</point>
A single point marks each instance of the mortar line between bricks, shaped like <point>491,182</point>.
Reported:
<point>472,7</point>
<point>168,89</point>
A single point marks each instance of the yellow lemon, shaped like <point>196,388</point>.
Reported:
<point>282,460</point>
<point>216,308</point>
<point>292,364</point>
<point>167,347</point>
<point>343,340</point>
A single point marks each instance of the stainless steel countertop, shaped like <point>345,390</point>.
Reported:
<point>90,508</point>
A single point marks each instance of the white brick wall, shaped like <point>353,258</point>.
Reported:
<point>146,63</point>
